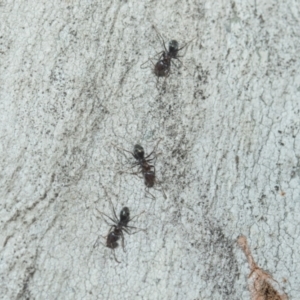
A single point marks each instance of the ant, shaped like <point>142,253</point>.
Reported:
<point>120,225</point>
<point>162,68</point>
<point>147,170</point>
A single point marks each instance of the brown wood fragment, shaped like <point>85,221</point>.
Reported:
<point>261,284</point>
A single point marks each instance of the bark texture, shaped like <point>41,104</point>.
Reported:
<point>72,92</point>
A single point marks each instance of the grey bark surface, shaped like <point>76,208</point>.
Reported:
<point>71,88</point>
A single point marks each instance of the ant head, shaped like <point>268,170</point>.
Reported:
<point>173,46</point>
<point>138,152</point>
<point>124,214</point>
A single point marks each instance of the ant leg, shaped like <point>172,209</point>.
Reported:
<point>122,149</point>
<point>133,165</point>
<point>113,250</point>
<point>113,210</point>
<point>168,74</point>
<point>150,59</point>
<point>125,171</point>
<point>147,191</point>
<point>160,38</point>
<point>132,227</point>
<point>150,159</point>
<point>126,230</point>
<point>134,173</point>
<point>152,62</point>
<point>144,64</point>
<point>162,189</point>
<point>157,82</point>
<point>150,155</point>
<point>115,221</point>
<point>154,150</point>
<point>139,229</point>
<point>136,217</point>
<point>97,241</point>
<point>123,246</point>
<point>186,44</point>
<point>181,65</point>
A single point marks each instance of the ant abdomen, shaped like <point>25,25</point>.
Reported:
<point>149,178</point>
<point>112,240</point>
<point>162,68</point>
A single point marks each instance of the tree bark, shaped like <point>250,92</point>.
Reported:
<point>77,87</point>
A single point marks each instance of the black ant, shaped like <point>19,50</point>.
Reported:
<point>147,170</point>
<point>162,68</point>
<point>116,229</point>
